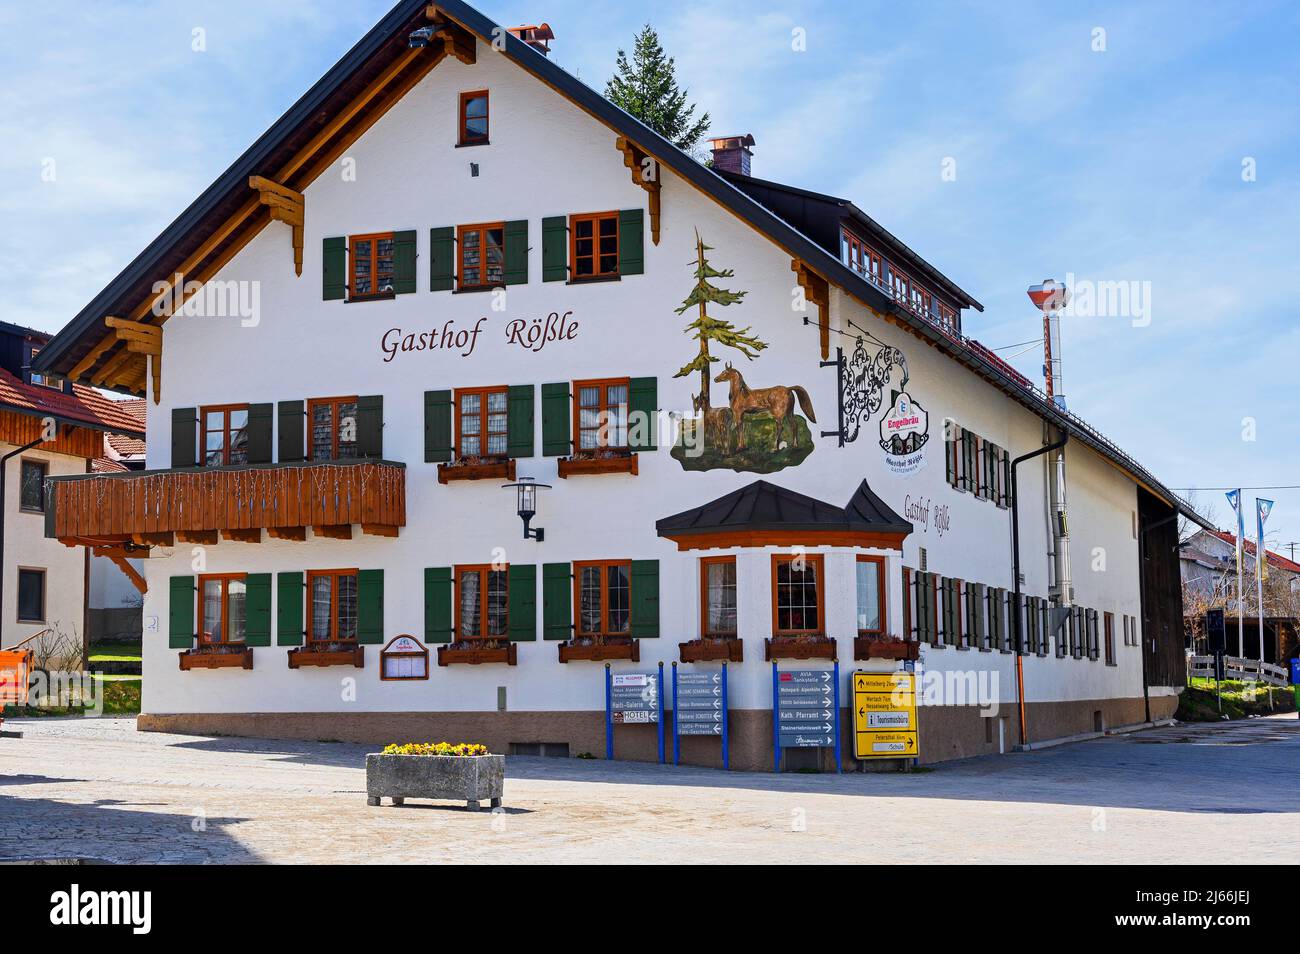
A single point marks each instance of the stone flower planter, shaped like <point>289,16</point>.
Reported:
<point>471,779</point>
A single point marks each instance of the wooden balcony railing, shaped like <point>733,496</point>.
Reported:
<point>156,508</point>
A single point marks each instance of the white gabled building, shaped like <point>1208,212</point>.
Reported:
<point>449,268</point>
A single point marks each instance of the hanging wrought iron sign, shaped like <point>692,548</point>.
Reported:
<point>861,385</point>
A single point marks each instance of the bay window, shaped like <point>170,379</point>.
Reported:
<point>797,596</point>
<point>718,597</point>
<point>871,596</point>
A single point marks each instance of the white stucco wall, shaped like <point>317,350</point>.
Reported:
<point>25,545</point>
<point>548,158</point>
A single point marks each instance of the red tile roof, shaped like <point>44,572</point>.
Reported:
<point>106,465</point>
<point>84,405</point>
<point>1274,559</point>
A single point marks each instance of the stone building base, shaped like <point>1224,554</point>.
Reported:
<point>946,733</point>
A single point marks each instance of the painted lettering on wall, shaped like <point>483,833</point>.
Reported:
<point>919,510</point>
<point>531,334</point>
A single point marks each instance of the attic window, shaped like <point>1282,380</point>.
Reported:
<point>474,118</point>
<point>43,380</point>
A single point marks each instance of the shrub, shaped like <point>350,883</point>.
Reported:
<point>436,748</point>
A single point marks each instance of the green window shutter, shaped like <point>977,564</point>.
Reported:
<point>924,608</point>
<point>977,612</point>
<point>437,426</point>
<point>293,431</point>
<point>334,270</point>
<point>557,601</point>
<point>555,420</point>
<point>631,242</point>
<point>257,609</point>
<point>404,262</point>
<point>370,606</point>
<point>516,264</point>
<point>290,590</point>
<point>180,613</point>
<point>643,422</point>
<point>437,604</point>
<point>442,259</point>
<point>645,599</point>
<point>261,419</point>
<point>185,436</point>
<point>370,426</point>
<point>521,612</point>
<point>555,249</point>
<point>519,421</point>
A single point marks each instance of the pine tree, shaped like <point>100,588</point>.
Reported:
<point>708,328</point>
<point>647,88</point>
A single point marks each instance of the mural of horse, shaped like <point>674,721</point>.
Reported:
<point>779,401</point>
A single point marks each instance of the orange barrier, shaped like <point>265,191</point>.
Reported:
<point>15,671</point>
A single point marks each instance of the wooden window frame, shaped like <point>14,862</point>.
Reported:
<point>482,569</point>
<point>705,563</point>
<point>604,384</point>
<point>463,137</point>
<point>595,218</point>
<point>224,579</point>
<point>204,431</point>
<point>814,559</point>
<point>483,393</point>
<point>334,605</point>
<point>880,584</point>
<point>336,403</point>
<point>37,379</point>
<point>374,238</point>
<point>604,565</point>
<point>44,465</point>
<point>45,593</point>
<point>862,256</point>
<point>484,228</point>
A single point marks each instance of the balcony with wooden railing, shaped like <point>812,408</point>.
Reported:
<point>126,513</point>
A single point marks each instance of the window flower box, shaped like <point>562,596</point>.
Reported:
<point>593,651</point>
<point>327,654</point>
<point>477,468</point>
<point>799,647</point>
<point>712,650</point>
<point>469,778</point>
<point>601,462</point>
<point>217,657</point>
<point>472,653</point>
<point>891,647</point>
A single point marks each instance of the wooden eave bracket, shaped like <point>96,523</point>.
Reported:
<point>817,291</point>
<point>457,40</point>
<point>285,206</point>
<point>119,558</point>
<point>140,339</point>
<point>645,173</point>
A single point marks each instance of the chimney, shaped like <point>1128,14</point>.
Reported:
<point>538,36</point>
<point>732,153</point>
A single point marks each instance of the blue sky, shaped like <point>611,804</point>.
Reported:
<point>1117,165</point>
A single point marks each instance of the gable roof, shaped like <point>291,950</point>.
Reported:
<point>1248,547</point>
<point>83,407</point>
<point>382,50</point>
<point>764,506</point>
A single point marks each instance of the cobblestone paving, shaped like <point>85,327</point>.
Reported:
<point>100,790</point>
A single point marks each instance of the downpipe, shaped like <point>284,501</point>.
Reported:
<point>1016,620</point>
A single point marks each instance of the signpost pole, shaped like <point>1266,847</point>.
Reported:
<point>835,719</point>
<point>659,697</point>
<point>776,724</point>
<point>726,709</point>
<point>677,739</point>
<point>609,718</point>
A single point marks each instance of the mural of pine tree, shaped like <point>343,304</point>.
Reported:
<point>706,328</point>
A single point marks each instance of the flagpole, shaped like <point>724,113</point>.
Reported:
<point>1262,510</point>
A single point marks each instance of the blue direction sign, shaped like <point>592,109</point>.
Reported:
<point>634,698</point>
<point>700,708</point>
<point>805,708</point>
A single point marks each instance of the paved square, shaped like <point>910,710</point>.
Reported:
<point>101,790</point>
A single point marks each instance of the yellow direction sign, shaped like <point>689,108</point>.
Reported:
<point>884,715</point>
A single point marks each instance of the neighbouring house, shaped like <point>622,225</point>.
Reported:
<point>524,286</point>
<point>1208,559</point>
<point>116,603</point>
<point>49,428</point>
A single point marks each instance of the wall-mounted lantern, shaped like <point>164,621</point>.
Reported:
<point>526,505</point>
